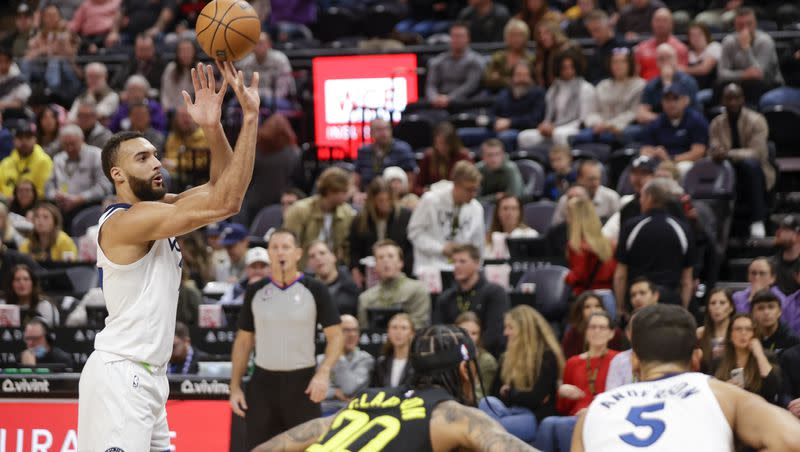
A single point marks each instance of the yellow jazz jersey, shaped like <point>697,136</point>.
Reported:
<point>390,420</point>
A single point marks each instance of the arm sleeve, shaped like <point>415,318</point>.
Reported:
<point>327,312</point>
<point>293,221</point>
<point>432,80</point>
<point>725,69</point>
<point>515,181</point>
<point>246,320</point>
<point>419,306</point>
<point>547,380</point>
<point>419,228</point>
<point>757,142</point>
<point>622,246</point>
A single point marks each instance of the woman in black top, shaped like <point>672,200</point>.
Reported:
<point>393,368</point>
<point>380,219</point>
<point>745,363</point>
<point>525,391</point>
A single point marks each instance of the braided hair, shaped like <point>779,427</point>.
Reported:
<point>436,354</point>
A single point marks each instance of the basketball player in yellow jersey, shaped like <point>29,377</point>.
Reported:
<point>429,416</point>
<point>123,387</point>
<point>673,409</point>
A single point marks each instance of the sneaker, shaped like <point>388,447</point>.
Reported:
<point>757,230</point>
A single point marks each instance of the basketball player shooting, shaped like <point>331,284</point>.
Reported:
<point>123,388</point>
<point>673,409</point>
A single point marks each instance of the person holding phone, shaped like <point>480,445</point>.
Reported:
<point>744,362</point>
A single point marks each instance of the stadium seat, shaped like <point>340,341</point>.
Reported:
<point>552,292</point>
<point>415,130</point>
<point>539,215</point>
<point>597,151</point>
<point>84,219</point>
<point>533,178</point>
<point>782,120</point>
<point>269,217</point>
<point>785,95</point>
<point>538,153</point>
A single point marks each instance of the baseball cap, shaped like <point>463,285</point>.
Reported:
<point>257,254</point>
<point>790,222</point>
<point>675,89</point>
<point>232,233</point>
<point>214,229</point>
<point>645,163</point>
<point>24,9</point>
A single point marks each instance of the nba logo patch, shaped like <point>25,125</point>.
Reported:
<point>135,385</point>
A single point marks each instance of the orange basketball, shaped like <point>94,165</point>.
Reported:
<point>228,29</point>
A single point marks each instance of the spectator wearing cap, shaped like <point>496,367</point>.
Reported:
<point>599,26</point>
<point>642,170</point>
<point>341,286</point>
<point>234,237</point>
<point>650,106</point>
<point>617,100</point>
<point>679,134</point>
<point>256,262</point>
<point>394,289</point>
<point>456,74</point>
<point>749,58</point>
<point>136,91</point>
<point>740,134</point>
<point>657,246</point>
<point>185,358</point>
<point>383,152</point>
<point>15,90</point>
<point>351,373</point>
<point>760,276</point>
<point>485,19</point>
<point>105,99</point>
<point>17,41</point>
<point>325,216</point>
<point>636,18</point>
<point>767,312</point>
<point>95,133</point>
<point>786,261</point>
<point>646,51</point>
<point>28,161</point>
<point>77,179</point>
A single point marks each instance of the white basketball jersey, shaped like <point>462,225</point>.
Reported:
<point>142,300</point>
<point>677,413</point>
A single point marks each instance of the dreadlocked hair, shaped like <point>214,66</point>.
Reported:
<point>436,354</point>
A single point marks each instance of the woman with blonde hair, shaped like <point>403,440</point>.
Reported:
<point>589,252</point>
<point>501,66</point>
<point>48,240</point>
<point>530,370</point>
<point>550,44</point>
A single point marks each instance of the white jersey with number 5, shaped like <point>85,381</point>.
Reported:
<point>676,413</point>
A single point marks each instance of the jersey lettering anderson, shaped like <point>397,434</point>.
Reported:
<point>142,300</point>
<point>679,412</point>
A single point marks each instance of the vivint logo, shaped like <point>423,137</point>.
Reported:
<point>345,98</point>
<point>204,387</point>
<point>26,386</point>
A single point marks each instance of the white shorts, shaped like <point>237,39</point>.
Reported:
<point>121,406</point>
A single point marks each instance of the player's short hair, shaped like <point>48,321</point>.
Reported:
<point>437,352</point>
<point>111,149</point>
<point>388,242</point>
<point>664,334</point>
<point>471,250</point>
<point>285,231</point>
<point>333,180</point>
<point>764,296</point>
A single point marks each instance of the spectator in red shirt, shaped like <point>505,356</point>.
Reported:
<point>584,377</point>
<point>645,52</point>
<point>590,254</point>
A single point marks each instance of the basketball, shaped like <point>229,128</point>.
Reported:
<point>228,30</point>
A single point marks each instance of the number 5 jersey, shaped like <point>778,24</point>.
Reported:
<point>388,420</point>
<point>674,413</point>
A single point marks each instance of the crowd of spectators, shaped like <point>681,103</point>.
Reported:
<point>399,235</point>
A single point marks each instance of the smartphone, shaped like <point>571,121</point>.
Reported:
<point>737,375</point>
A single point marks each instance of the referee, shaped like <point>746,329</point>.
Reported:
<point>279,318</point>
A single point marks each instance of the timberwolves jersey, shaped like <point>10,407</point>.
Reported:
<point>389,420</point>
<point>675,413</point>
<point>141,298</point>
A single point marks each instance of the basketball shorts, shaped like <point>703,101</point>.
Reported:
<point>122,406</point>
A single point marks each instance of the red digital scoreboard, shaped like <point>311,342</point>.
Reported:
<point>350,91</point>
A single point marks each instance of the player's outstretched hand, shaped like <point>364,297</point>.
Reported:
<point>248,96</point>
<point>206,109</point>
<point>237,402</point>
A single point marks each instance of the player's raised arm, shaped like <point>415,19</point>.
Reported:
<point>148,221</point>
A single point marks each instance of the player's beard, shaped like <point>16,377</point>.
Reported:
<point>143,189</point>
